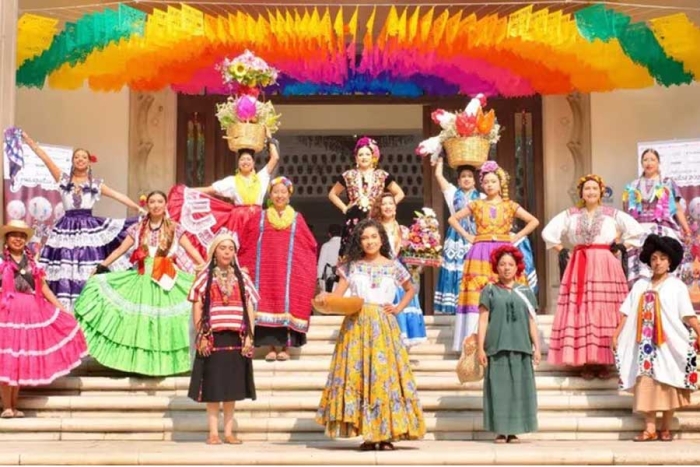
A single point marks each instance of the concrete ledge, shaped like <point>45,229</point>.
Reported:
<point>345,452</point>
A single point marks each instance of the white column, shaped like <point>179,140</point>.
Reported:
<point>9,12</point>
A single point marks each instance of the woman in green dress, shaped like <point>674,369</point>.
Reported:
<point>508,348</point>
<point>137,321</point>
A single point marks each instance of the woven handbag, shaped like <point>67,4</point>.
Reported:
<point>468,368</point>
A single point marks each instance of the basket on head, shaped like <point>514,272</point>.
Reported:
<point>470,150</point>
<point>245,136</point>
<point>468,367</point>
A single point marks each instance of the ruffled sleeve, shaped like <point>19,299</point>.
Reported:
<point>555,229</point>
<point>64,181</point>
<point>401,274</point>
<point>631,231</point>
<point>343,271</point>
<point>388,180</point>
<point>133,231</point>
<point>225,187</point>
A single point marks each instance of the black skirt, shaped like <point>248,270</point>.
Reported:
<point>223,376</point>
<point>278,337</point>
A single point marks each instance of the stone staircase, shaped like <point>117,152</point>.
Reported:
<point>96,403</point>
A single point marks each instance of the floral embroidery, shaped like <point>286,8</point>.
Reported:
<point>361,192</point>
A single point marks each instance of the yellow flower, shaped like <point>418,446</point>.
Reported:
<point>238,69</point>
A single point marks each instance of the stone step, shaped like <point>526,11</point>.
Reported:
<point>267,403</point>
<point>292,382</point>
<point>262,426</point>
<point>548,448</point>
<point>435,320</point>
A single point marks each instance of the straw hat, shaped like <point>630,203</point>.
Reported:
<point>16,226</point>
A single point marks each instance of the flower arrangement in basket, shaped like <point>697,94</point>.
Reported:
<point>421,246</point>
<point>466,135</point>
<point>243,116</point>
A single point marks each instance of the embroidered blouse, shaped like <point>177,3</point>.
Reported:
<point>376,284</point>
<point>602,228</point>
<point>227,187</point>
<point>83,196</point>
<point>224,314</point>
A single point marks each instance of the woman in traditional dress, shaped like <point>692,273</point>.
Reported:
<point>508,347</point>
<point>223,310</point>
<point>279,250</point>
<point>79,241</point>
<point>654,202</point>
<point>39,339</point>
<point>455,247</point>
<point>411,321</point>
<point>494,218</point>
<point>137,321</point>
<point>370,391</point>
<point>655,353</point>
<point>364,184</point>
<point>593,285</point>
<point>203,216</point>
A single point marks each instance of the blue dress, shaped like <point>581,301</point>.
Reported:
<point>454,251</point>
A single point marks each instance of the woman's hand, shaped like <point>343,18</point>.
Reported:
<point>391,309</point>
<point>536,357</point>
<point>320,299</point>
<point>614,342</point>
<point>248,348</point>
<point>481,356</point>
<point>470,238</point>
<point>437,164</point>
<point>514,238</point>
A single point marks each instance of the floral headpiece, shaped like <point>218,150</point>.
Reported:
<point>587,178</point>
<point>284,181</point>
<point>92,158</point>
<point>371,144</point>
<point>503,177</point>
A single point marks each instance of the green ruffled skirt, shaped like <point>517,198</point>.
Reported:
<point>133,325</point>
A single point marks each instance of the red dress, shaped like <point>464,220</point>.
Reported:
<point>282,264</point>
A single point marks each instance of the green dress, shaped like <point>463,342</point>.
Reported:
<point>135,325</point>
<point>510,397</point>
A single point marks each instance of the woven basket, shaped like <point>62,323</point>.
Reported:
<point>245,136</point>
<point>472,150</point>
<point>468,367</point>
<point>339,305</point>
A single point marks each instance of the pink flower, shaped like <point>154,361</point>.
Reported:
<point>245,108</point>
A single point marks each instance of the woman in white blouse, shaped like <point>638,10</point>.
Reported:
<point>202,215</point>
<point>594,284</point>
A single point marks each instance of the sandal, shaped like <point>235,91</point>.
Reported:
<point>7,413</point>
<point>386,446</point>
<point>19,414</point>
<point>367,446</point>
<point>231,439</point>
<point>645,436</point>
<point>283,356</point>
<point>513,439</point>
<point>665,435</point>
<point>500,439</point>
<point>213,439</point>
<point>271,357</point>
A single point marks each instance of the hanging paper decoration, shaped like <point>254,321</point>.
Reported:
<point>414,51</point>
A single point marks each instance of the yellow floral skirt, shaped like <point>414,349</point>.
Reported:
<point>370,390</point>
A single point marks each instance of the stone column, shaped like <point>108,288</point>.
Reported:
<point>9,12</point>
<point>152,145</point>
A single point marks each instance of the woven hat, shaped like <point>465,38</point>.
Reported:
<point>16,226</point>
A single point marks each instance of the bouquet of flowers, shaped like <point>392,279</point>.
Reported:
<point>421,246</point>
<point>244,117</point>
<point>249,72</point>
<point>470,124</point>
<point>247,109</point>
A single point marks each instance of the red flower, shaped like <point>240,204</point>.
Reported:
<point>465,126</point>
<point>92,158</point>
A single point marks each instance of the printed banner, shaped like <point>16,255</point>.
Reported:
<point>680,160</point>
<point>33,194</point>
